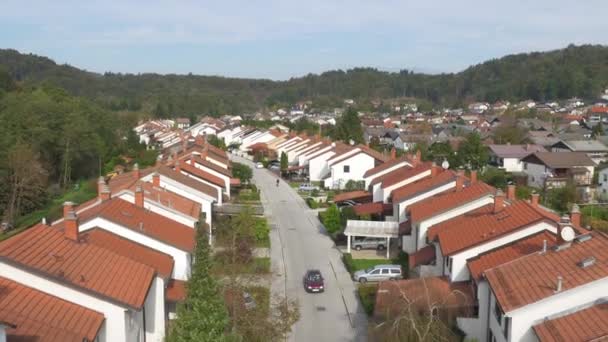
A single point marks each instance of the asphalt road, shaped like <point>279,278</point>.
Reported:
<point>299,243</point>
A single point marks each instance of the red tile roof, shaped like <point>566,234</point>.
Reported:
<point>362,149</point>
<point>175,291</point>
<point>127,179</point>
<point>503,254</point>
<point>402,174</point>
<point>352,195</point>
<point>422,257</point>
<point>46,251</point>
<point>421,186</point>
<point>161,262</point>
<point>37,316</point>
<point>143,222</point>
<point>599,109</point>
<point>434,230</point>
<point>170,199</point>
<point>484,228</point>
<point>448,200</point>
<point>386,165</point>
<point>200,173</point>
<point>532,278</point>
<point>187,181</point>
<point>590,324</point>
<point>211,165</point>
<point>372,208</point>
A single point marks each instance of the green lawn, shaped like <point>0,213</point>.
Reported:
<point>354,265</point>
<point>262,239</point>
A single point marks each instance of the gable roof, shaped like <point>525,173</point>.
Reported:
<point>490,259</point>
<point>202,174</point>
<point>142,221</point>
<point>583,145</point>
<point>386,165</point>
<point>590,324</point>
<point>423,185</point>
<point>162,263</point>
<point>434,230</point>
<point>189,182</point>
<point>352,195</point>
<point>37,316</point>
<point>402,174</point>
<point>558,160</point>
<point>45,250</point>
<point>170,199</point>
<point>487,227</point>
<point>532,278</point>
<point>515,151</point>
<point>448,200</point>
<point>211,165</point>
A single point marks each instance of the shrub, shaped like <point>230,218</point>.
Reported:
<point>332,219</point>
<point>261,231</point>
<point>367,294</point>
<point>312,203</point>
<point>347,258</point>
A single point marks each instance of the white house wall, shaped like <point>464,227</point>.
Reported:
<point>386,192</point>
<point>370,178</point>
<point>162,210</point>
<point>154,308</point>
<point>358,165</point>
<point>317,166</point>
<point>401,207</point>
<point>476,328</point>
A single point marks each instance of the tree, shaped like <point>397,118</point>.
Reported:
<point>473,153</point>
<point>217,142</point>
<point>511,133</point>
<point>349,127</point>
<point>560,199</point>
<point>353,185</point>
<point>202,316</point>
<point>284,162</point>
<point>597,130</point>
<point>242,172</point>
<point>331,219</point>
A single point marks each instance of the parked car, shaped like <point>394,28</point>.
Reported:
<point>249,301</point>
<point>259,165</point>
<point>274,167</point>
<point>313,281</point>
<point>369,243</point>
<point>307,187</point>
<point>347,203</point>
<point>378,273</point>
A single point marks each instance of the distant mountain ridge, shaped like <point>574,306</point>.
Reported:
<point>573,71</point>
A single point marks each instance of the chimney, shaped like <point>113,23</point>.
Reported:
<point>67,207</point>
<point>473,176</point>
<point>544,246</point>
<point>204,153</point>
<point>499,201</point>
<point>559,284</point>
<point>105,193</point>
<point>434,170</point>
<point>136,173</point>
<point>393,153</point>
<point>564,222</point>
<point>511,192</point>
<point>534,198</point>
<point>139,196</point>
<point>200,140</point>
<point>459,180</point>
<point>177,166</point>
<point>575,215</point>
<point>156,179</point>
<point>71,226</point>
<point>418,156</point>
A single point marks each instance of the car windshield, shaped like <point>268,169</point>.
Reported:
<point>369,270</point>
<point>314,276</point>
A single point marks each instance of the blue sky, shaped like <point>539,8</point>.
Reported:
<point>279,39</point>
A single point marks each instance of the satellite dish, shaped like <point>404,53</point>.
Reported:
<point>567,233</point>
<point>445,165</point>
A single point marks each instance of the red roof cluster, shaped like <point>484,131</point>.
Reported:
<point>410,190</point>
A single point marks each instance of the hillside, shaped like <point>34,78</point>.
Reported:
<point>574,71</point>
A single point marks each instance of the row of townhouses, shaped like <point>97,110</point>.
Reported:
<point>114,268</point>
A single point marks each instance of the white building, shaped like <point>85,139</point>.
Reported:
<point>351,166</point>
<point>508,157</point>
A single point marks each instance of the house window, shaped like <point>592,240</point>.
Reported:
<point>346,168</point>
<point>506,327</point>
<point>498,313</point>
<point>605,177</point>
<point>525,166</point>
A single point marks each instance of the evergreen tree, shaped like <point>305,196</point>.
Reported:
<point>349,127</point>
<point>472,152</point>
<point>331,219</point>
<point>284,162</point>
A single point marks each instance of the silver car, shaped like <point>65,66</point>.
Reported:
<point>369,243</point>
<point>379,273</point>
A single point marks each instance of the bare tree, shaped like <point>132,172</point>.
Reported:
<point>26,180</point>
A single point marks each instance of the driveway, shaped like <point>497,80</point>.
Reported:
<point>298,243</point>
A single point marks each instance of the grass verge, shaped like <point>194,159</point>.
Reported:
<point>367,295</point>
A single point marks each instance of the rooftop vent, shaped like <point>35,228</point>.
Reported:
<point>141,226</point>
<point>562,247</point>
<point>559,284</point>
<point>583,238</point>
<point>587,262</point>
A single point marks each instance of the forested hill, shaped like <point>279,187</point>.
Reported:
<point>574,71</point>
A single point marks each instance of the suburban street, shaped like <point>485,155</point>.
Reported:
<point>299,243</point>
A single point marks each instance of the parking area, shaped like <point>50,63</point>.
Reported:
<point>371,253</point>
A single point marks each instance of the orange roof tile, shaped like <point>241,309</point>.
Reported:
<point>35,315</point>
<point>143,222</point>
<point>352,195</point>
<point>448,200</point>
<point>483,228</point>
<point>422,257</point>
<point>211,165</point>
<point>170,199</point>
<point>401,174</point>
<point>534,277</point>
<point>590,324</point>
<point>46,251</point>
<point>161,262</point>
<point>421,186</point>
<point>386,165</point>
<point>372,208</point>
<point>127,179</point>
<point>187,181</point>
<point>434,230</point>
<point>490,259</point>
<point>200,173</point>
<point>175,291</point>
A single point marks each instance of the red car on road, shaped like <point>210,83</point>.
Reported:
<point>313,281</point>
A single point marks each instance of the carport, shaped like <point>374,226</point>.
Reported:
<point>377,229</point>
